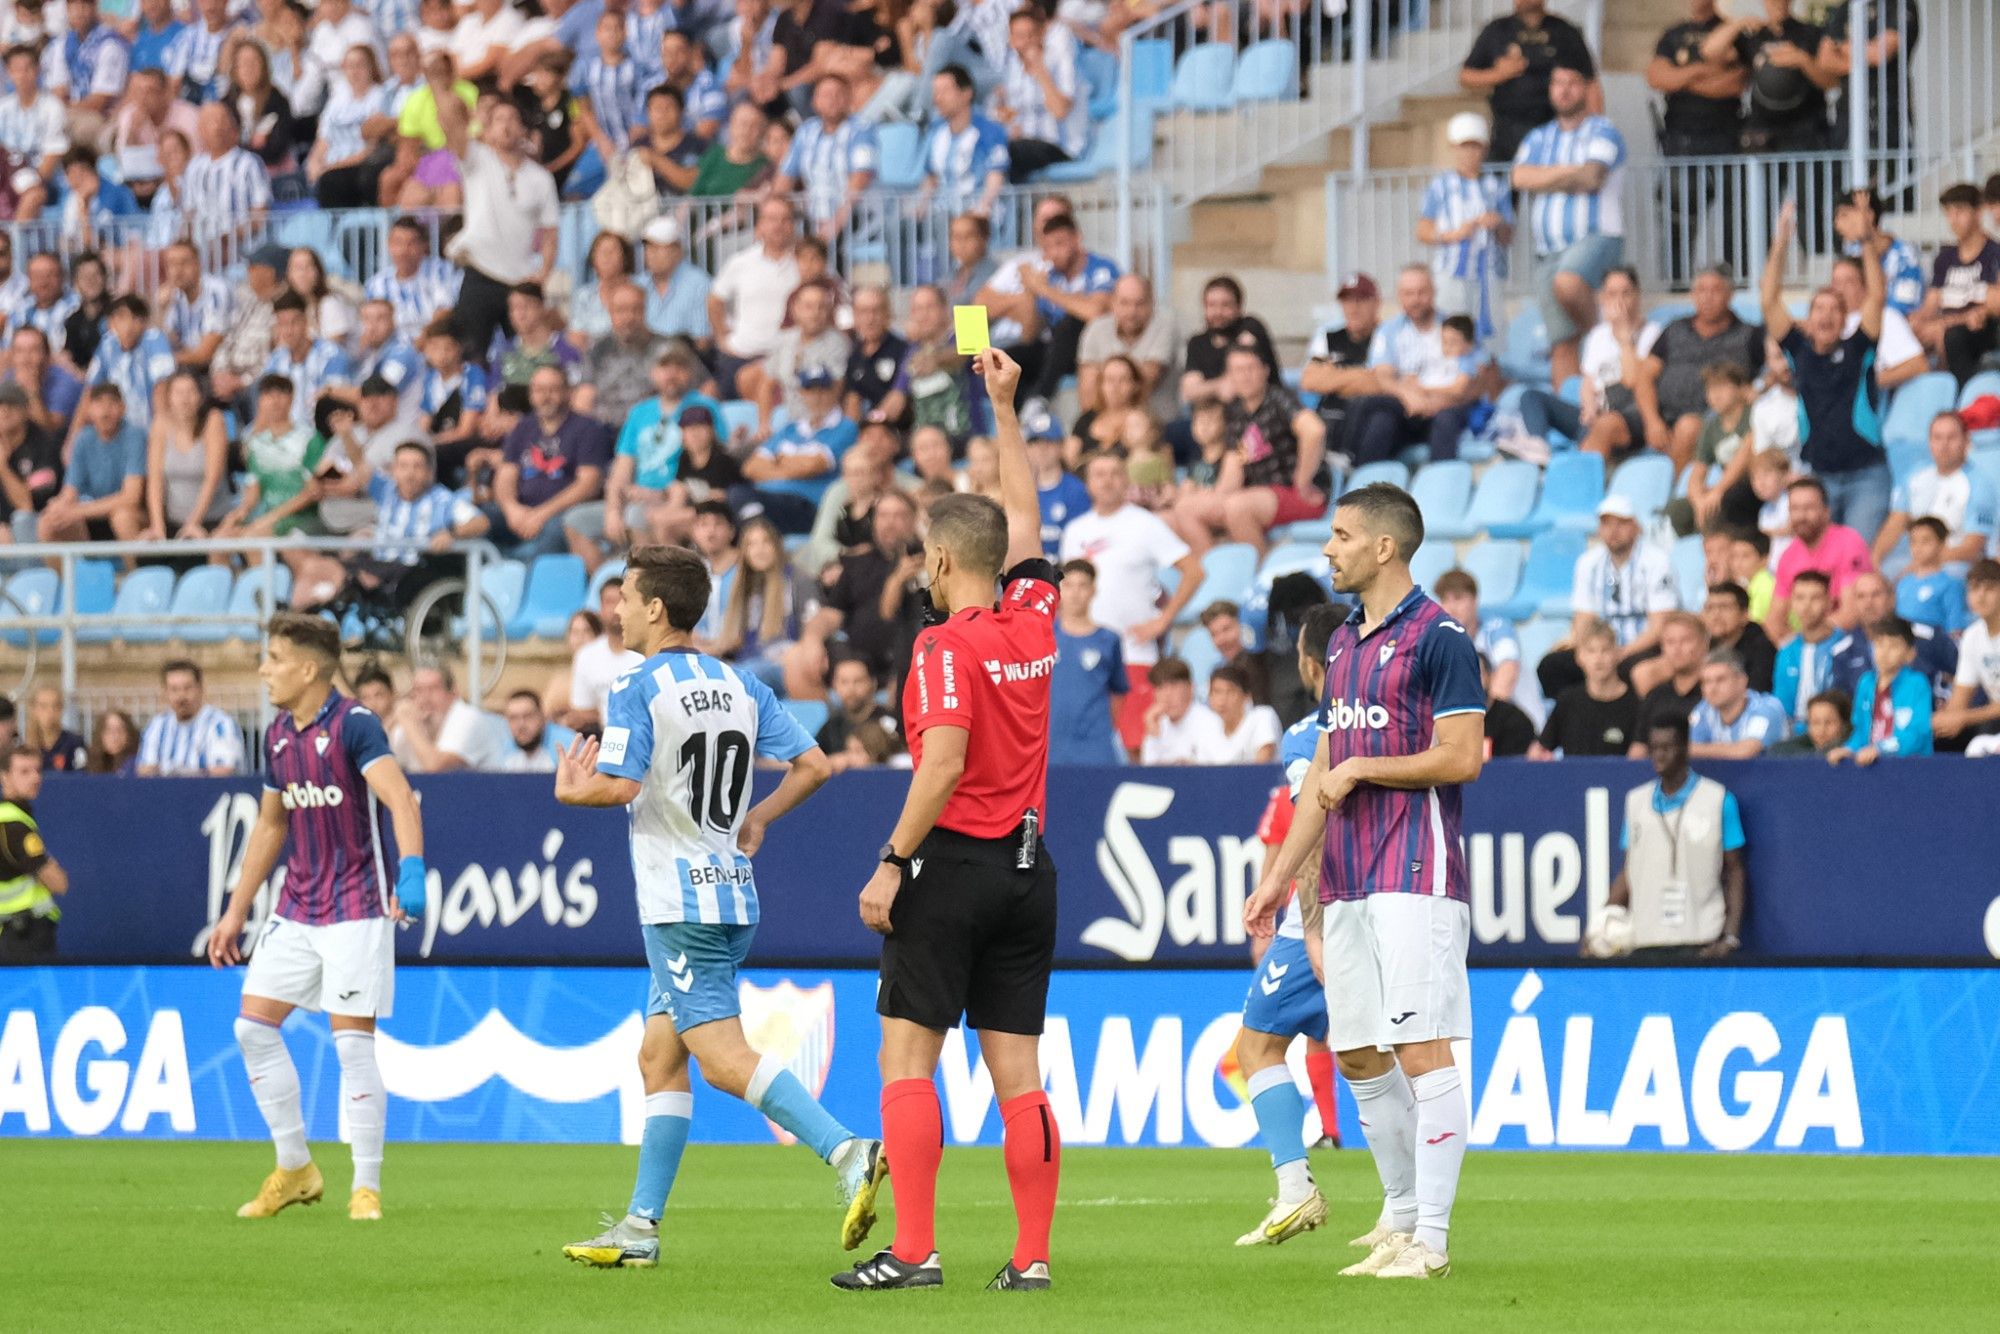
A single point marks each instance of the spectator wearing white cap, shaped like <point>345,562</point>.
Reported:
<point>1467,218</point>
<point>1626,582</point>
<point>676,291</point>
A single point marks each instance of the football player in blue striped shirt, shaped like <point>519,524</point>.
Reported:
<point>682,730</point>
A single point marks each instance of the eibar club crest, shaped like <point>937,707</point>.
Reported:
<point>793,1024</point>
<point>319,743</point>
<point>1388,651</point>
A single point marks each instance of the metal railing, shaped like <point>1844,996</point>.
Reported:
<point>1681,214</point>
<point>262,554</point>
<point>1345,64</point>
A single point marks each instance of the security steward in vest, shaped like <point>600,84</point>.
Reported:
<point>1683,880</point>
<point>30,879</point>
<point>965,892</point>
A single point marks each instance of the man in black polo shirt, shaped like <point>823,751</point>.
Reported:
<point>1672,400</point>
<point>1704,118</point>
<point>1338,367</point>
<point>1511,61</point>
<point>869,600</point>
<point>874,356</point>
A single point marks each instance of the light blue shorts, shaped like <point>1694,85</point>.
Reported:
<point>694,971</point>
<point>1589,259</point>
<point>1285,998</point>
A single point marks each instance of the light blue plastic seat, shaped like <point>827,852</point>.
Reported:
<point>1979,386</point>
<point>34,592</point>
<point>504,583</point>
<point>1267,72</point>
<point>554,594</point>
<point>1443,492</point>
<point>1537,638</point>
<point>246,600</point>
<point>900,149</point>
<point>202,591</point>
<point>1690,565</point>
<point>1913,405</point>
<point>1391,471</point>
<point>1228,572</point>
<point>1152,70</point>
<point>1504,500</point>
<point>1572,487</point>
<point>1646,480</point>
<point>1307,556</point>
<point>1547,576</point>
<point>1199,652</point>
<point>1496,566</point>
<point>1205,78</point>
<point>1100,157</point>
<point>1433,558</point>
<point>738,414</point>
<point>608,573</point>
<point>146,591</point>
<point>1525,355</point>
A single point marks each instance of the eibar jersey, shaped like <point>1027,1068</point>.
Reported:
<point>1385,692</point>
<point>1295,753</point>
<point>340,855</point>
<point>685,727</point>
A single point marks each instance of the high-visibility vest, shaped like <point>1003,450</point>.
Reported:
<point>24,893</point>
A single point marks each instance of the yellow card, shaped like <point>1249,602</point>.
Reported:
<point>970,324</point>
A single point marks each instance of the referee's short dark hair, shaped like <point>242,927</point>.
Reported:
<point>676,577</point>
<point>1169,671</point>
<point>188,665</point>
<point>1089,571</point>
<point>973,529</point>
<point>315,635</point>
<point>1388,508</point>
<point>1316,629</point>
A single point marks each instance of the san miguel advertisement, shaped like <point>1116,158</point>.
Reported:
<point>1155,864</point>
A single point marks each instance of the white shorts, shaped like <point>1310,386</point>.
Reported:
<point>346,968</point>
<point>1395,970</point>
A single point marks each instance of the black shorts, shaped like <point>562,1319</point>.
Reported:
<point>971,936</point>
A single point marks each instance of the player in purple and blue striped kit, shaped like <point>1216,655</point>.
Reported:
<point>1402,729</point>
<point>329,781</point>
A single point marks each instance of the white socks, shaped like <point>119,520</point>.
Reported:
<point>1389,1116</point>
<point>1442,1126</point>
<point>365,1101</point>
<point>274,1083</point>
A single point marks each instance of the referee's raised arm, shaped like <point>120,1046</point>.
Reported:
<point>1017,481</point>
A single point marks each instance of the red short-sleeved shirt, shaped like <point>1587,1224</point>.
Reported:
<point>987,670</point>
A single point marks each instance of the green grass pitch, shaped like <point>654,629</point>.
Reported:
<point>109,1236</point>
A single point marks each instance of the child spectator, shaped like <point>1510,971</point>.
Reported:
<point>1250,731</point>
<point>1726,443</point>
<point>1178,729</point>
<point>1509,731</point>
<point>1597,717</point>
<point>1892,705</point>
<point>1088,685</point>
<point>452,401</point>
<point>1749,559</point>
<point>1928,593</point>
<point>1978,668</point>
<point>1217,467</point>
<point>1825,726</point>
<point>1770,474</point>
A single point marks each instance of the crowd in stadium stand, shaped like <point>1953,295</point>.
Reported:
<point>793,425</point>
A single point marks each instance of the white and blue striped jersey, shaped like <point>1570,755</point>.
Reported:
<point>705,98</point>
<point>617,96</point>
<point>325,365</point>
<point>187,321</point>
<point>35,131</point>
<point>1450,202</point>
<point>821,161</point>
<point>398,518</point>
<point>195,58</point>
<point>469,384</point>
<point>221,192</point>
<point>1496,640</point>
<point>686,728</point>
<point>1762,720</point>
<point>396,362</point>
<point>96,64</point>
<point>960,162</point>
<point>135,370</point>
<point>1903,275</point>
<point>1558,220</point>
<point>642,37</point>
<point>392,16</point>
<point>51,320</point>
<point>209,740</point>
<point>1295,753</point>
<point>1033,118</point>
<point>419,298</point>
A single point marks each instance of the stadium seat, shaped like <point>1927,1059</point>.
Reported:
<point>1668,311</point>
<point>738,414</point>
<point>1987,461</point>
<point>1228,572</point>
<point>1267,72</point>
<point>1748,307</point>
<point>811,713</point>
<point>1384,470</point>
<point>246,600</point>
<point>1099,71</point>
<point>1204,77</point>
<point>608,573</point>
<point>1571,489</point>
<point>1306,556</point>
<point>1690,570</point>
<point>504,583</point>
<point>1101,157</point>
<point>901,150</point>
<point>34,592</point>
<point>1647,480</point>
<point>1504,500</point>
<point>554,593</point>
<point>1537,638</point>
<point>1979,386</point>
<point>1526,355</point>
<point>96,586</point>
<point>1433,558</point>
<point>1547,576</point>
<point>1911,409</point>
<point>202,591</point>
<point>1497,568</point>
<point>146,591</point>
<point>1152,70</point>
<point>1314,531</point>
<point>1199,652</point>
<point>1443,491</point>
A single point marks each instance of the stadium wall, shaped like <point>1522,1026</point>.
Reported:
<point>1847,1061</point>
<point>1844,866</point>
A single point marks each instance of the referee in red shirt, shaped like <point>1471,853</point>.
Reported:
<point>965,892</point>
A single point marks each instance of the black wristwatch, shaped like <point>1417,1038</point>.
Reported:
<point>890,857</point>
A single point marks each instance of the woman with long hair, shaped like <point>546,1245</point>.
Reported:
<point>266,117</point>
<point>346,162</point>
<point>769,602</point>
<point>187,464</point>
<point>1121,396</point>
<point>90,283</point>
<point>328,310</point>
<point>609,263</point>
<point>557,695</point>
<point>114,744</point>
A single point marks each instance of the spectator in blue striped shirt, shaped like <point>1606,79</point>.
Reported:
<point>34,128</point>
<point>966,158</point>
<point>194,307</point>
<point>154,33</point>
<point>97,214</point>
<point>833,159</point>
<point>1041,99</point>
<point>1733,722</point>
<point>313,365</point>
<point>133,357</point>
<point>1467,218</point>
<point>417,284</point>
<point>411,505</point>
<point>1857,219</point>
<point>453,399</point>
<point>46,305</point>
<point>190,736</point>
<point>195,58</point>
<point>226,189</point>
<point>703,101</point>
<point>613,90</point>
<point>1574,167</point>
<point>88,67</point>
<point>644,27</point>
<point>382,352</point>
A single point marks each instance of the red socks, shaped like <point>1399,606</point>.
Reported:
<point>1319,1070</point>
<point>913,1139</point>
<point>1034,1162</point>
